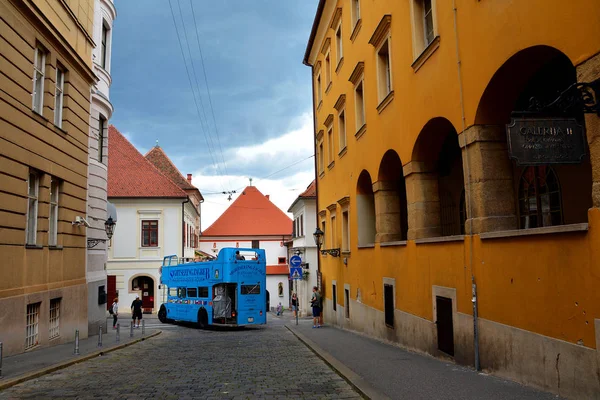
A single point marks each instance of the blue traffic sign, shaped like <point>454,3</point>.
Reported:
<point>296,272</point>
<point>295,261</point>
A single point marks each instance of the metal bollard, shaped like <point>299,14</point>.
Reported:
<point>0,360</point>
<point>76,352</point>
<point>99,336</point>
<point>131,330</point>
<point>118,333</point>
<point>143,327</point>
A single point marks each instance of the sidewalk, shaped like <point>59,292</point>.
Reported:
<point>25,366</point>
<point>382,370</point>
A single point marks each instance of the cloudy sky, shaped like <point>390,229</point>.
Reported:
<point>250,54</point>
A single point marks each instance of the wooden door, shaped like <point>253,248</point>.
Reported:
<point>111,291</point>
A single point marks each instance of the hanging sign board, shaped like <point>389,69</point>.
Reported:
<point>541,141</point>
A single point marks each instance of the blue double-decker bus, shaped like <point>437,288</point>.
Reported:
<point>228,291</point>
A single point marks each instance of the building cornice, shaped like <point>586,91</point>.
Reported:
<point>357,73</point>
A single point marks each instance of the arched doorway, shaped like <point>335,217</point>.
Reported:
<point>365,209</point>
<point>144,286</point>
<point>540,194</point>
<point>437,176</point>
<point>390,199</point>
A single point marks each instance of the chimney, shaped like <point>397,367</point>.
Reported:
<point>267,196</point>
<point>189,178</point>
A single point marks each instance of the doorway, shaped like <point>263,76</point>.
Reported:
<point>145,285</point>
<point>445,328</point>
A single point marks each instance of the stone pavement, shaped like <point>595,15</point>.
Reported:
<point>390,371</point>
<point>19,365</point>
<point>184,362</point>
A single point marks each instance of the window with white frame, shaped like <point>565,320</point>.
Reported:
<point>359,101</point>
<point>338,43</point>
<point>101,128</point>
<point>104,45</point>
<point>39,72</point>
<point>53,218</point>
<point>321,158</point>
<point>355,12</point>
<point>330,151</point>
<point>384,73</point>
<point>319,89</point>
<point>333,235</point>
<point>58,96</point>
<point>54,318</point>
<point>301,224</point>
<point>327,70</point>
<point>32,327</point>
<point>33,188</point>
<point>342,128</point>
<point>428,31</point>
<point>423,27</point>
<point>345,230</point>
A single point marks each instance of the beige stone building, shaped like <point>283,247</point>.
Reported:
<point>45,81</point>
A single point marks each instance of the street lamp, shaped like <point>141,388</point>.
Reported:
<point>109,227</point>
<point>319,238</point>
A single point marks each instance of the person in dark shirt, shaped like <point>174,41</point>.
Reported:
<point>136,311</point>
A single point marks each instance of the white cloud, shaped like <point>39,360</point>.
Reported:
<point>290,147</point>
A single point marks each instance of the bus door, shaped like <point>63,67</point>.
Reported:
<point>177,308</point>
<point>251,304</point>
<point>225,303</point>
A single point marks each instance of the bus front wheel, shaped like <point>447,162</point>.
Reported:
<point>162,315</point>
<point>202,318</point>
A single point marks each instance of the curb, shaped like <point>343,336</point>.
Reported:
<point>56,367</point>
<point>363,387</point>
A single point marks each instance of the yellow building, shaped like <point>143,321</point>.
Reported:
<point>45,80</point>
<point>415,102</point>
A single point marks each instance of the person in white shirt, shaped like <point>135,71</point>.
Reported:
<point>115,312</point>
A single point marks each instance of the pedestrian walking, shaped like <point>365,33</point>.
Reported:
<point>136,311</point>
<point>320,308</point>
<point>315,302</point>
<point>294,303</point>
<point>114,310</point>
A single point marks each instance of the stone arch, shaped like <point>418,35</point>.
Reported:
<point>147,289</point>
<point>390,200</point>
<point>365,209</point>
<point>435,175</point>
<point>540,72</point>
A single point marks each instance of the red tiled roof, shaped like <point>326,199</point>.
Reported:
<point>311,190</point>
<point>131,175</point>
<point>277,270</point>
<point>309,193</point>
<point>251,214</point>
<point>161,161</point>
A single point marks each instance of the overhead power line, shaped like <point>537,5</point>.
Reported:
<point>206,134</point>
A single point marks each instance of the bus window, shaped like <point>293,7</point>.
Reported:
<point>181,292</point>
<point>192,292</point>
<point>173,292</point>
<point>251,289</point>
<point>203,291</point>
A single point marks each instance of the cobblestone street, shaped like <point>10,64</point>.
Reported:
<point>185,362</point>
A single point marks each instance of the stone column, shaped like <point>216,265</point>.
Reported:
<point>387,211</point>
<point>589,71</point>
<point>491,203</point>
<point>423,200</point>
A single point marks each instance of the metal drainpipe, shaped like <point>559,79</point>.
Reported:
<point>312,73</point>
<point>187,200</point>
<point>468,167</point>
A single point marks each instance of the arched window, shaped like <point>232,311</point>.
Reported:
<point>539,198</point>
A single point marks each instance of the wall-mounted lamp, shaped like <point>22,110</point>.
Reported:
<point>319,237</point>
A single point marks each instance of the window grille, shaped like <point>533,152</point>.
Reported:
<point>54,318</point>
<point>33,319</point>
<point>539,198</point>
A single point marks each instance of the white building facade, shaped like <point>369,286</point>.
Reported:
<point>304,211</point>
<point>100,113</point>
<point>133,260</point>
